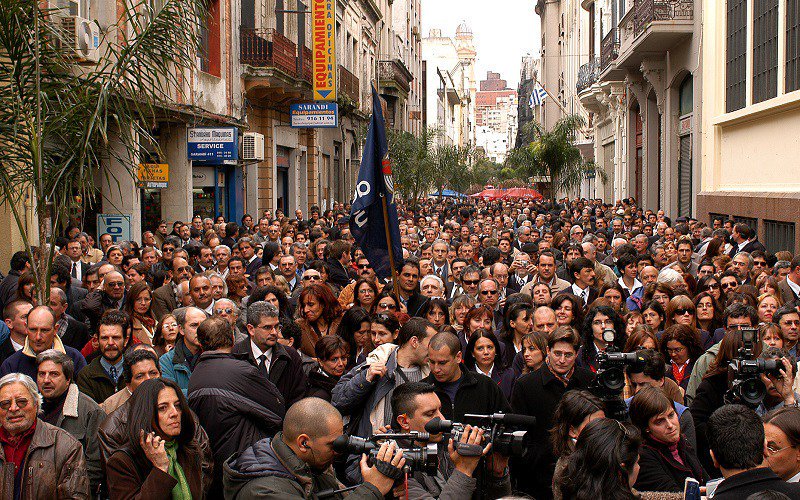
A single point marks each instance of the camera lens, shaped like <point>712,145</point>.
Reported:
<point>612,379</point>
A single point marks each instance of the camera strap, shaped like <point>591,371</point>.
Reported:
<point>468,450</point>
<point>388,470</point>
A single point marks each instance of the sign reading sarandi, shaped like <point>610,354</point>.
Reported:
<point>324,40</point>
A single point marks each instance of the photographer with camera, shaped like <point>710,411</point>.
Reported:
<point>296,463</point>
<point>415,404</point>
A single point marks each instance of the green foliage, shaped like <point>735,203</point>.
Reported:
<point>59,121</point>
<point>412,162</point>
<point>554,154</point>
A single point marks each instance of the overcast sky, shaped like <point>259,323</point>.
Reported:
<point>505,30</point>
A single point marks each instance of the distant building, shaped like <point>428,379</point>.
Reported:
<point>496,117</point>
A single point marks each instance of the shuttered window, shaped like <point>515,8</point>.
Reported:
<point>765,50</point>
<point>715,216</point>
<point>685,177</point>
<point>792,45</point>
<point>736,55</point>
<point>779,235</point>
<point>751,222</point>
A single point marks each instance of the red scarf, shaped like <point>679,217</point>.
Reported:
<point>15,448</point>
<point>679,372</point>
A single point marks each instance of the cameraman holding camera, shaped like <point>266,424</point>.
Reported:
<point>414,404</point>
<point>296,463</point>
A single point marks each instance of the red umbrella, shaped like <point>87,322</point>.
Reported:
<point>490,194</point>
<point>523,193</point>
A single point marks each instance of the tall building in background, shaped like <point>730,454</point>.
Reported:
<point>526,113</point>
<point>495,117</point>
<point>450,85</point>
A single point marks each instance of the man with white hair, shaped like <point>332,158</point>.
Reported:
<point>60,470</point>
<point>432,286</point>
<point>222,254</point>
<point>228,310</point>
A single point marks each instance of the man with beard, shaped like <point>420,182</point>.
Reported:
<point>64,406</point>
<point>103,376</point>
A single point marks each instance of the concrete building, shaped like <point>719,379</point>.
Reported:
<point>750,117</point>
<point>495,117</point>
<point>450,86</point>
<point>646,95</point>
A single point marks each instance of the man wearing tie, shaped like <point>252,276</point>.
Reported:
<point>280,364</point>
<point>77,267</point>
<point>790,287</point>
<point>288,269</point>
<point>582,271</point>
<point>440,267</point>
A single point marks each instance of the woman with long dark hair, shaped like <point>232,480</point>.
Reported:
<point>711,285</point>
<point>318,314</point>
<point>707,312</point>
<point>517,323</point>
<point>666,457</point>
<point>597,320</point>
<point>137,305</point>
<point>569,311</point>
<point>355,330</point>
<point>654,316</point>
<point>365,294</point>
<point>483,356</point>
<point>681,345</point>
<point>436,311</point>
<point>161,460</point>
<point>604,465</point>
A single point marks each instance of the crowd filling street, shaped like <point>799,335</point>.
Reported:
<point>612,350</point>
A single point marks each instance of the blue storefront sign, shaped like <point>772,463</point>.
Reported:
<point>213,145</point>
<point>315,115</point>
<point>117,225</point>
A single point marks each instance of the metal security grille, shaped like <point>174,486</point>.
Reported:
<point>792,45</point>
<point>736,56</point>
<point>765,50</point>
<point>779,235</point>
<point>750,221</point>
<point>685,177</point>
<point>715,216</point>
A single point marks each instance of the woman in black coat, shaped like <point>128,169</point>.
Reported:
<point>332,353</point>
<point>666,459</point>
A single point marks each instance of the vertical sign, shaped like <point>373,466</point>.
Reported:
<point>324,42</point>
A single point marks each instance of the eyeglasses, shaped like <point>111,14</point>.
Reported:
<point>390,307</point>
<point>184,268</point>
<point>167,249</point>
<point>470,282</point>
<point>115,284</point>
<point>675,350</point>
<point>225,311</point>
<point>488,292</point>
<point>772,450</point>
<point>713,286</point>
<point>6,404</point>
<point>682,311</point>
<point>311,278</point>
<point>791,322</point>
<point>364,266</point>
<point>603,322</point>
<point>729,285</point>
<point>271,328</point>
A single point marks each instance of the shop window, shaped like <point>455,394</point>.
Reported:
<point>211,56</point>
<point>765,50</point>
<point>736,55</point>
<point>779,235</point>
<point>792,45</point>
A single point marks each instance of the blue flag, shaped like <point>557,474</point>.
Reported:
<point>367,224</point>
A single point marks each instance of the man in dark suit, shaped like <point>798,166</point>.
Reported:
<point>15,316</point>
<point>338,259</point>
<point>73,333</point>
<point>744,240</point>
<point>790,287</point>
<point>248,251</point>
<point>582,271</point>
<point>75,252</point>
<point>60,277</point>
<point>439,261</point>
<point>736,438</point>
<point>165,298</point>
<point>20,262</point>
<point>279,364</point>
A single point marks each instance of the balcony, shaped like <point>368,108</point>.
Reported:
<point>653,27</point>
<point>609,48</point>
<point>394,77</point>
<point>266,48</point>
<point>587,75</point>
<point>349,85</point>
<point>272,68</point>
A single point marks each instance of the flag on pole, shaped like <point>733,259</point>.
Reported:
<point>537,96</point>
<point>367,222</point>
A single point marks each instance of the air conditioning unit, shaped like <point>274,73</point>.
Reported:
<point>83,36</point>
<point>253,146</point>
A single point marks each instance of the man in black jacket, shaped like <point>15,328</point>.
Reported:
<point>338,259</point>
<point>736,438</point>
<point>73,333</point>
<point>537,394</point>
<point>461,391</point>
<point>281,364</point>
<point>232,400</point>
<point>20,262</point>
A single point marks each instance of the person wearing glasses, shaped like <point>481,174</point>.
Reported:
<point>597,320</point>
<point>233,397</point>
<point>165,298</point>
<point>782,434</point>
<point>788,319</point>
<point>60,470</point>
<point>537,394</point>
<point>364,271</point>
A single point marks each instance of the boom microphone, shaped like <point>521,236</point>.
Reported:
<point>509,419</point>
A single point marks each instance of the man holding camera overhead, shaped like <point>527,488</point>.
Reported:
<point>414,405</point>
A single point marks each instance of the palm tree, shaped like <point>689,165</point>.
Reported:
<point>59,121</point>
<point>412,162</point>
<point>451,167</point>
<point>553,153</point>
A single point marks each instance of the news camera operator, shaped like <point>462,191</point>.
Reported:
<point>296,463</point>
<point>414,405</point>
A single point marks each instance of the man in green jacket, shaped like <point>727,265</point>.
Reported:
<point>296,463</point>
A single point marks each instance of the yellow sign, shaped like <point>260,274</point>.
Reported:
<point>152,175</point>
<point>324,49</point>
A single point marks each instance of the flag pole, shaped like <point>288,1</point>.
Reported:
<point>395,284</point>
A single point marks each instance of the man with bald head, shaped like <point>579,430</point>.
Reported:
<point>41,336</point>
<point>200,291</point>
<point>648,275</point>
<point>303,451</point>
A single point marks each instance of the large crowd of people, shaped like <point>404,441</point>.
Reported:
<point>225,359</point>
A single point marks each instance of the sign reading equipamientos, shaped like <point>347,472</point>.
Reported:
<point>315,115</point>
<point>213,144</point>
<point>324,37</point>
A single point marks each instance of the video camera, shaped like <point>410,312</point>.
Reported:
<point>747,387</point>
<point>418,458</point>
<point>610,379</point>
<point>504,442</point>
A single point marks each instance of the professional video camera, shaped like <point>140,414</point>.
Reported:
<point>509,443</point>
<point>610,379</point>
<point>418,458</point>
<point>747,387</point>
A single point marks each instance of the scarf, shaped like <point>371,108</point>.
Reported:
<point>181,490</point>
<point>52,408</point>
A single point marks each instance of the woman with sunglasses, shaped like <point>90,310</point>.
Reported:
<point>681,311</point>
<point>388,303</point>
<point>711,285</point>
<point>681,345</point>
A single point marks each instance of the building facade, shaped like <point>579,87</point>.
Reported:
<point>495,117</point>
<point>750,116</point>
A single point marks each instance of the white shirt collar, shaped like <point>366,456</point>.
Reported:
<point>794,479</point>
<point>210,309</point>
<point>636,285</point>
<point>257,352</point>
<point>794,286</point>
<point>16,346</point>
<point>488,374</point>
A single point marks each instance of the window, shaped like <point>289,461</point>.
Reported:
<point>210,57</point>
<point>685,108</point>
<point>765,50</point>
<point>750,221</point>
<point>778,235</point>
<point>714,216</point>
<point>792,45</point>
<point>736,56</point>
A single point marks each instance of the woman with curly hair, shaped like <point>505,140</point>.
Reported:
<point>318,314</point>
<point>597,320</point>
<point>568,309</point>
<point>681,345</point>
